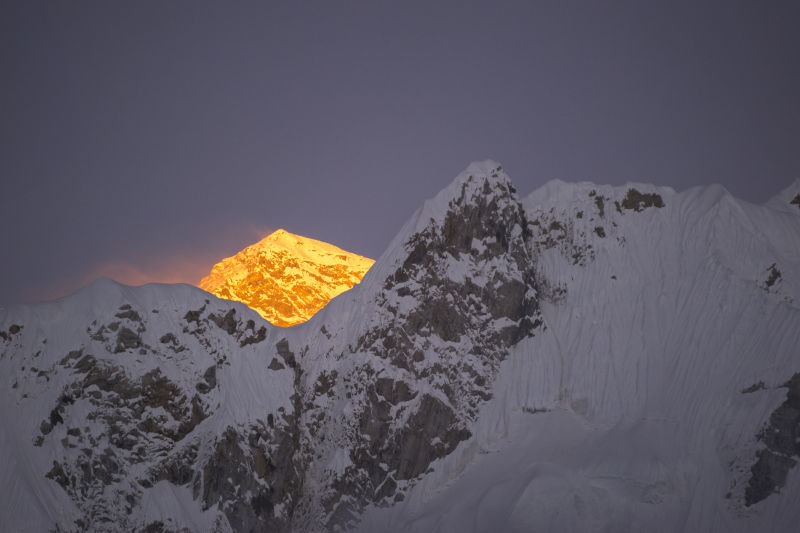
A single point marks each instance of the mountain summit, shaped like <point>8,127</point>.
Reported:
<point>286,277</point>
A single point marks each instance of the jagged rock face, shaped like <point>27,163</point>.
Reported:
<point>285,277</point>
<point>463,292</point>
<point>130,421</point>
<point>472,283</point>
<point>147,399</point>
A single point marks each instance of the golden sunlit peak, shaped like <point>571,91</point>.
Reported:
<point>280,234</point>
<point>287,278</point>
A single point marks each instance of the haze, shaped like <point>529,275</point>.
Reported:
<point>145,141</point>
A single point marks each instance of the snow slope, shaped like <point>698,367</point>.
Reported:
<point>107,391</point>
<point>666,351</point>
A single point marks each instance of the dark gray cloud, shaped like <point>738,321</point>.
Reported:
<point>159,136</point>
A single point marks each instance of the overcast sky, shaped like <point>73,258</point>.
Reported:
<point>147,140</point>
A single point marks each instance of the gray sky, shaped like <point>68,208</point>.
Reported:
<point>147,140</point>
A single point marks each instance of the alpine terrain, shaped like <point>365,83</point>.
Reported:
<point>285,277</point>
<point>587,358</point>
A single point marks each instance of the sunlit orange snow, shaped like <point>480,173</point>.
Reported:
<point>285,277</point>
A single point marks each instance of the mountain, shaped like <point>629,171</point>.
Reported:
<point>586,358</point>
<point>663,392</point>
<point>285,277</point>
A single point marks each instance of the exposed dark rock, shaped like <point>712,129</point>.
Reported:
<point>99,334</point>
<point>228,474</point>
<point>394,392</point>
<point>58,475</point>
<point>754,387</point>
<point>782,439</point>
<point>768,475</point>
<point>180,468</point>
<point>433,420</point>
<point>386,489</point>
<point>638,201</point>
<point>85,363</point>
<point>210,375</point>
<point>796,200</point>
<point>782,435</point>
<point>384,386</point>
<point>129,314</point>
<point>106,468</point>
<point>506,298</point>
<point>774,276</point>
<point>283,350</point>
<point>127,339</point>
<point>374,418</point>
<point>55,417</point>
<point>599,201</point>
<point>259,336</point>
<point>325,382</point>
<point>210,378</point>
<point>71,356</point>
<point>155,527</point>
<point>194,316</point>
<point>440,316</point>
<point>275,364</point>
<point>227,323</point>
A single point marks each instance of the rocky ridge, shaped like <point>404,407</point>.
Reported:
<point>335,415</point>
<point>413,374</point>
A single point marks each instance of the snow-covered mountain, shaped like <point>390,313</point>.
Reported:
<point>662,392</point>
<point>587,358</point>
<point>286,277</point>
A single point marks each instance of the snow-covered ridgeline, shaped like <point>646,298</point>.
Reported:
<point>628,411</point>
<point>105,383</point>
